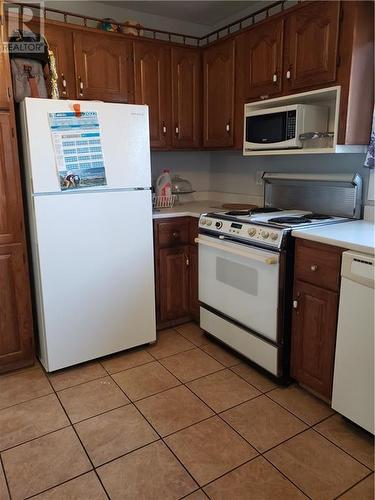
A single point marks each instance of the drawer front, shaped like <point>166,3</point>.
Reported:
<point>318,264</point>
<point>172,232</point>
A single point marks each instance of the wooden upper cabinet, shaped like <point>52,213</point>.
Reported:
<point>60,41</point>
<point>103,67</point>
<point>264,59</point>
<point>16,334</point>
<point>219,93</point>
<point>11,217</point>
<point>186,97</point>
<point>153,87</point>
<point>312,45</point>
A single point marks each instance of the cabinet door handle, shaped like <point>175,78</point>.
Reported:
<point>289,73</point>
<point>314,268</point>
<point>80,86</point>
<point>177,130</point>
<point>274,78</point>
<point>227,127</point>
<point>164,128</point>
<point>187,261</point>
<point>295,304</point>
<point>63,83</point>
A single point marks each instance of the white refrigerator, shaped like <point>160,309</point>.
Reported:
<point>92,247</point>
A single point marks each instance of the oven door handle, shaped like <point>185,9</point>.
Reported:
<point>239,251</point>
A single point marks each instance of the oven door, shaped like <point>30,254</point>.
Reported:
<point>240,282</point>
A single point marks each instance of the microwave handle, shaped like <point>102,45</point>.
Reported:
<point>239,251</point>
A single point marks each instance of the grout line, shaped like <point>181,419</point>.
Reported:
<point>5,476</point>
<point>27,401</point>
<point>37,437</point>
<point>78,385</point>
<point>356,484</point>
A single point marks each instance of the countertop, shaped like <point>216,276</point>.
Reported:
<point>354,235</point>
<point>192,209</point>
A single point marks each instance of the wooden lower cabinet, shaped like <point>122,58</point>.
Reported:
<point>176,271</point>
<point>314,337</point>
<point>315,310</point>
<point>16,336</point>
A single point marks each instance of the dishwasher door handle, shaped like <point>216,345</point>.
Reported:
<point>234,250</point>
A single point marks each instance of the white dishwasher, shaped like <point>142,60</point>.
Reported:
<point>353,380</point>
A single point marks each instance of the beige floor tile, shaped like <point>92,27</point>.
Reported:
<point>169,342</point>
<point>173,410</point>
<point>126,360</point>
<point>31,419</point>
<point>86,487</point>
<point>69,377</point>
<point>190,365</point>
<point>263,423</point>
<point>145,380</point>
<point>149,473</point>
<point>4,495</point>
<point>316,466</point>
<point>197,495</point>
<point>192,332</point>
<point>22,386</point>
<point>350,438</point>
<point>114,433</point>
<point>222,390</point>
<point>301,403</point>
<point>44,462</point>
<point>254,377</point>
<point>90,399</point>
<point>361,491</point>
<point>256,479</point>
<point>209,449</point>
<point>221,354</point>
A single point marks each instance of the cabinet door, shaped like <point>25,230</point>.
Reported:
<point>60,41</point>
<point>153,87</point>
<point>103,67</point>
<point>11,217</point>
<point>16,339</point>
<point>218,99</point>
<point>263,59</point>
<point>193,284</point>
<point>186,97</point>
<point>314,337</point>
<point>174,283</point>
<point>311,39</point>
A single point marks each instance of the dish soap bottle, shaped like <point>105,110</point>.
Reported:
<point>164,184</point>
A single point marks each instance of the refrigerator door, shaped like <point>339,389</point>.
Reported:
<point>94,274</point>
<point>125,140</point>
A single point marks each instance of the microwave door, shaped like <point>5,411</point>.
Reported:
<point>268,131</point>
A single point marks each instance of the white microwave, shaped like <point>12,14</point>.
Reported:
<point>281,127</point>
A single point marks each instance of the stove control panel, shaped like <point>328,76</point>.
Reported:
<point>242,230</point>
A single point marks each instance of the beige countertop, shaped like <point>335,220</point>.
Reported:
<point>192,209</point>
<point>354,235</point>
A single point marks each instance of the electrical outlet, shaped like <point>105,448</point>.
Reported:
<point>258,178</point>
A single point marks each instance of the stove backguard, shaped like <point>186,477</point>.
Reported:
<point>332,194</point>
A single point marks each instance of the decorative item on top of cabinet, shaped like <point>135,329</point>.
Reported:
<point>315,309</point>
<point>264,59</point>
<point>311,45</point>
<point>219,94</point>
<point>176,271</point>
<point>186,66</point>
<point>103,67</point>
<point>152,62</point>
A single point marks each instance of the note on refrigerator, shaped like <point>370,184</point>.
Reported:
<point>78,149</point>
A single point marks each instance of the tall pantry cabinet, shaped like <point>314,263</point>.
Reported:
<point>16,327</point>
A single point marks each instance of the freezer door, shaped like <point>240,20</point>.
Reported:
<point>94,272</point>
<point>125,140</point>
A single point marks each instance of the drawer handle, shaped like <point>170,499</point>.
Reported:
<point>314,268</point>
<point>176,235</point>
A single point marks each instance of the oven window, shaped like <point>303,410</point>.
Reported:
<point>265,129</point>
<point>237,275</point>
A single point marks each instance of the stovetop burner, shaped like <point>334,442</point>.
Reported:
<point>252,211</point>
<point>320,216</point>
<point>290,220</point>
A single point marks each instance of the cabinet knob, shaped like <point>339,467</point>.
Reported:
<point>295,304</point>
<point>177,130</point>
<point>63,83</point>
<point>274,78</point>
<point>314,268</point>
<point>227,127</point>
<point>80,86</point>
<point>289,73</point>
<point>187,261</point>
<point>164,128</point>
<point>176,235</point>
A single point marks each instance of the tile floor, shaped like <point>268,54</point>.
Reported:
<point>184,418</point>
